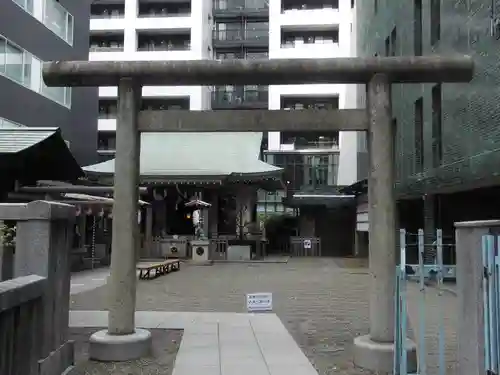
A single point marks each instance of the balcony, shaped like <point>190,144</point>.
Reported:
<point>241,8</point>
<point>306,172</point>
<point>108,109</point>
<point>106,42</point>
<point>107,11</point>
<point>106,141</point>
<point>251,54</point>
<point>248,97</point>
<point>163,16</point>
<point>315,43</point>
<point>229,36</point>
<point>302,5</point>
<point>107,17</point>
<point>163,42</point>
<point>163,9</point>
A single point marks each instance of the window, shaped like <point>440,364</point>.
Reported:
<point>27,5</point>
<point>3,44</point>
<point>4,123</point>
<point>435,21</point>
<point>26,69</point>
<point>14,62</point>
<point>419,134</point>
<point>387,46</point>
<point>54,16</point>
<point>352,4</point>
<point>417,27</point>
<point>59,20</point>
<point>437,131</point>
<point>375,6</point>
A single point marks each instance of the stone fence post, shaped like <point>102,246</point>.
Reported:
<point>470,293</point>
<point>43,243</point>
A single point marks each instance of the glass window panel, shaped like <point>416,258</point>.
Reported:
<point>30,6</point>
<point>2,55</point>
<point>57,19</point>
<point>27,69</point>
<point>69,28</point>
<point>68,93</point>
<point>14,62</point>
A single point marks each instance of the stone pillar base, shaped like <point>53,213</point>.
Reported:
<point>379,357</point>
<point>106,348</point>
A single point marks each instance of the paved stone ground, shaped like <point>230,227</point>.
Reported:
<point>322,302</point>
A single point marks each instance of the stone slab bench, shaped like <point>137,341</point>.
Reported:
<point>153,270</point>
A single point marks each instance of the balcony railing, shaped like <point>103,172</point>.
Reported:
<point>315,145</point>
<point>115,14</point>
<point>299,175</point>
<point>164,47</point>
<point>240,97</point>
<point>154,13</point>
<point>255,34</point>
<point>305,44</point>
<point>117,48</point>
<point>240,5</point>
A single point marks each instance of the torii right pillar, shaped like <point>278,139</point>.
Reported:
<point>375,351</point>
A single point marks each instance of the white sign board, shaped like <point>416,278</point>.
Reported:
<point>307,244</point>
<point>259,302</point>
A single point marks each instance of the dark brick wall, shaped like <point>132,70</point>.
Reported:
<point>471,111</point>
<point>17,103</point>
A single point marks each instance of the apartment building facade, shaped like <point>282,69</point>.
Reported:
<point>447,135</point>
<point>33,31</point>
<point>146,30</point>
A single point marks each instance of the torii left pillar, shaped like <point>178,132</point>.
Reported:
<point>122,341</point>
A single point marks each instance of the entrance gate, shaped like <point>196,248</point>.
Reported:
<point>491,303</point>
<point>376,72</point>
<point>422,274</point>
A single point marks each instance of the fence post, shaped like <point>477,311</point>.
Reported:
<point>470,270</point>
<point>42,248</point>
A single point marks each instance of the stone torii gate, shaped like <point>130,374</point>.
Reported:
<point>121,341</point>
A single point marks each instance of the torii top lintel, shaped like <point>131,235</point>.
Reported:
<point>400,69</point>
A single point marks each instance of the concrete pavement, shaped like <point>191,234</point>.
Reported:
<point>221,343</point>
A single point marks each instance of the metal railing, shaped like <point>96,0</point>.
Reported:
<point>106,48</point>
<point>105,16</point>
<point>241,34</point>
<point>240,96</point>
<point>240,5</point>
<point>164,47</point>
<point>422,273</point>
<point>316,145</point>
<point>304,175</point>
<point>163,13</point>
<point>21,324</point>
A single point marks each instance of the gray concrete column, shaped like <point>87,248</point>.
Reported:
<point>122,341</point>
<point>382,211</point>
<point>122,279</point>
<point>375,351</point>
